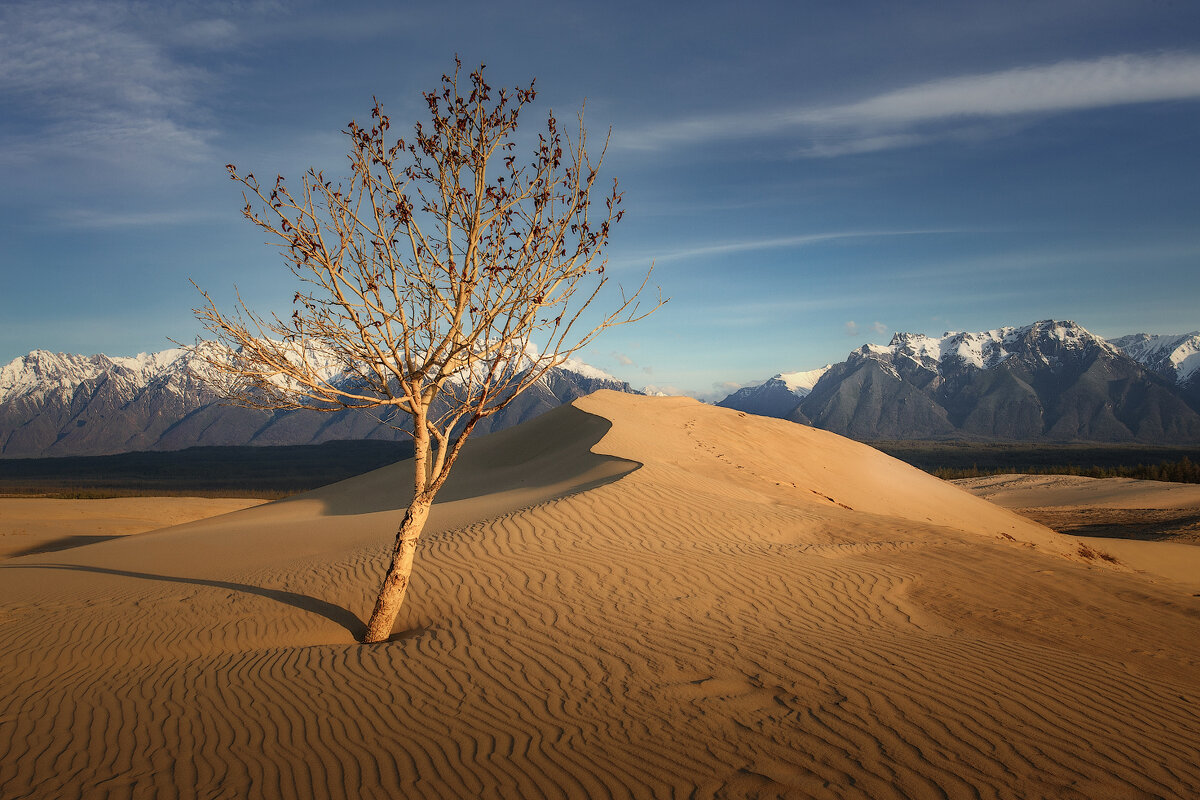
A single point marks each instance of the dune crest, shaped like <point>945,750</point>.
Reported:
<point>785,463</point>
<point>638,597</point>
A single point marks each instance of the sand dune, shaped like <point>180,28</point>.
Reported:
<point>631,597</point>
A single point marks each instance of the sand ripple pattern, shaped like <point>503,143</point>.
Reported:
<point>671,634</point>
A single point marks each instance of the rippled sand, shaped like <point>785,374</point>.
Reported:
<point>631,597</point>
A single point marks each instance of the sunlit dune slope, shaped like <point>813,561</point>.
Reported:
<point>1121,517</point>
<point>631,597</point>
<point>779,463</point>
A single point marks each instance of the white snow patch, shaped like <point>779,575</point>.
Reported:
<point>917,346</point>
<point>802,383</point>
<point>1187,360</point>
<point>1181,352</point>
<point>41,373</point>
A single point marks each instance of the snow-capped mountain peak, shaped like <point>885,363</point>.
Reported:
<point>587,370</point>
<point>1051,379</point>
<point>63,404</point>
<point>1045,341</point>
<point>41,371</point>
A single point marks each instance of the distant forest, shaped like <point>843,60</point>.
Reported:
<point>263,472</point>
<point>1182,471</point>
<point>274,472</point>
<point>951,460</point>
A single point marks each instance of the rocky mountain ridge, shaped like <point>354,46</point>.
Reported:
<point>57,404</point>
<point>1047,381</point>
<point>1176,358</point>
<point>1050,380</point>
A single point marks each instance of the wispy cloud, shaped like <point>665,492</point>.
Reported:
<point>96,218</point>
<point>946,107</point>
<point>1053,88</point>
<point>98,80</point>
<point>998,264</point>
<point>783,242</point>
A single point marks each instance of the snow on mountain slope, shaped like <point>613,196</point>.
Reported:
<point>64,404</point>
<point>985,349</point>
<point>1051,380</point>
<point>801,383</point>
<point>1175,357</point>
<point>42,373</point>
<point>1045,340</point>
<point>587,370</point>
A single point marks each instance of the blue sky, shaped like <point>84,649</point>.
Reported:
<point>806,176</point>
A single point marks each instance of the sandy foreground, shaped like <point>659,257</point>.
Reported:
<point>628,597</point>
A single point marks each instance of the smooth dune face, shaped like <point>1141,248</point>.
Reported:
<point>634,597</point>
<point>34,524</point>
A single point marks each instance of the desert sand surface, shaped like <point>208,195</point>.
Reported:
<point>1073,491</point>
<point>627,597</point>
<point>1150,526</point>
<point>40,524</point>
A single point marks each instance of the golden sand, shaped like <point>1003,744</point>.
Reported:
<point>630,597</point>
<point>37,524</point>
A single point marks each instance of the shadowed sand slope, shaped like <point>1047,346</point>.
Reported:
<point>760,609</point>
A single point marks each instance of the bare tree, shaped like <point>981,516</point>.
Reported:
<point>430,286</point>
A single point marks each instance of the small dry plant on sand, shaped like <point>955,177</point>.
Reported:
<point>1090,554</point>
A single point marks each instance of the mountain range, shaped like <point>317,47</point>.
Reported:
<point>56,404</point>
<point>1047,381</point>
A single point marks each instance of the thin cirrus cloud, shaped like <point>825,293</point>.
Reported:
<point>1065,86</point>
<point>890,120</point>
<point>725,248</point>
<point>95,218</point>
<point>91,80</point>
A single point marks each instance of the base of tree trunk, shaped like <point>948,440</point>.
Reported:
<point>395,583</point>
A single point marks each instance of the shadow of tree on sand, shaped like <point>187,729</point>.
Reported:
<point>314,605</point>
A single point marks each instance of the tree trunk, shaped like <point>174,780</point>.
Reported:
<point>395,583</point>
